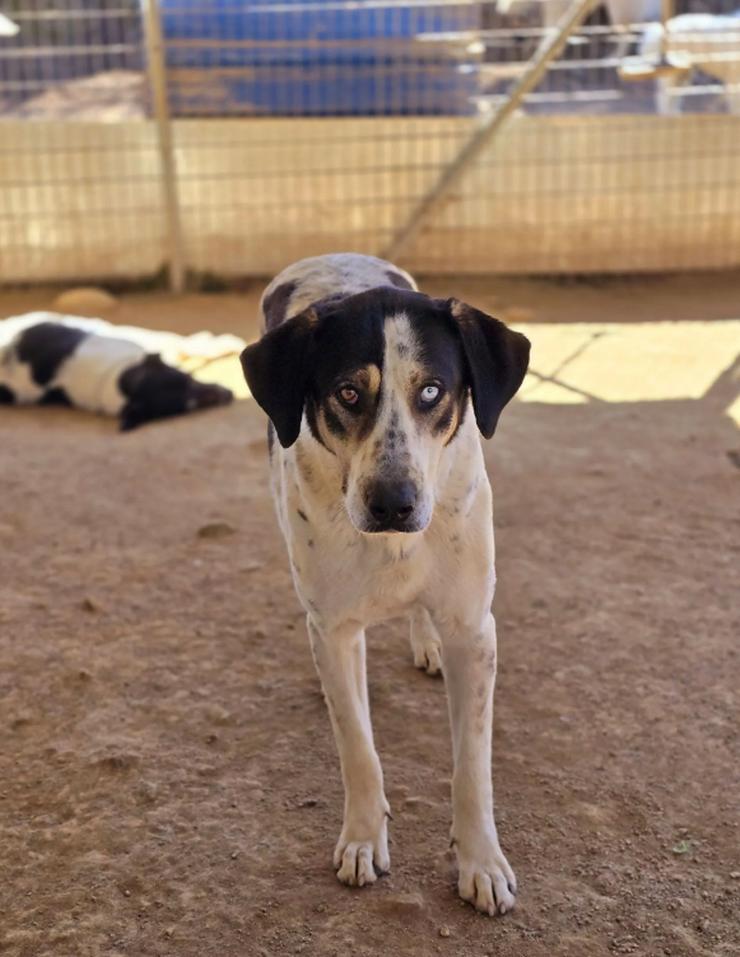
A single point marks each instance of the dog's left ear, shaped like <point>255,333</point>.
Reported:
<point>276,369</point>
<point>497,359</point>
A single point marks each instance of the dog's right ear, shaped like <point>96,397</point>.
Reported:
<point>276,369</point>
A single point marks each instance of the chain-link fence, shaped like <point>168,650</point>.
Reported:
<point>228,137</point>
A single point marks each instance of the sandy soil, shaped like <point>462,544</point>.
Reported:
<point>168,780</point>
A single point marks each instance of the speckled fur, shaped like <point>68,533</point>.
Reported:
<point>442,577</point>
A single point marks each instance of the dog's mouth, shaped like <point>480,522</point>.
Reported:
<point>372,527</point>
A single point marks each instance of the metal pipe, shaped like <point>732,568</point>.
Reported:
<point>167,162</point>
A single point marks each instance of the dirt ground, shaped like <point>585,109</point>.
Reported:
<point>168,780</point>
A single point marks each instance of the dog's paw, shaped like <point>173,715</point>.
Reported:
<point>359,859</point>
<point>486,880</point>
<point>426,648</point>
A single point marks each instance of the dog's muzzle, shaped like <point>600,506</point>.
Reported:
<point>391,507</point>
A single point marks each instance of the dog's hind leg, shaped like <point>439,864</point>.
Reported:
<point>362,848</point>
<point>425,644</point>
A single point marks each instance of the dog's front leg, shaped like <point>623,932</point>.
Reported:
<point>469,666</point>
<point>362,848</point>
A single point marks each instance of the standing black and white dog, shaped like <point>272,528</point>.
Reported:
<point>52,359</point>
<point>377,394</point>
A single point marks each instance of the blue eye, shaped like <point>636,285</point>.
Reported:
<point>430,393</point>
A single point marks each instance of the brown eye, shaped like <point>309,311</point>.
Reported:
<point>348,396</point>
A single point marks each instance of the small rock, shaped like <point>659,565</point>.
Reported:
<point>147,792</point>
<point>735,875</point>
<point>252,567</point>
<point>216,530</point>
<point>444,931</point>
<point>217,714</point>
<point>414,800</point>
<point>403,904</point>
<point>89,604</point>
<point>117,762</point>
<point>85,301</point>
<point>234,855</point>
<point>308,802</point>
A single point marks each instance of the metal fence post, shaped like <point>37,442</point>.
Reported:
<point>168,168</point>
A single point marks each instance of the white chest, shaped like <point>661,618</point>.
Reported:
<point>341,574</point>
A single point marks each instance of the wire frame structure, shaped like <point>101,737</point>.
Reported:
<point>229,137</point>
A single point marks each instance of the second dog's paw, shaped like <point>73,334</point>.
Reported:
<point>360,859</point>
<point>486,880</point>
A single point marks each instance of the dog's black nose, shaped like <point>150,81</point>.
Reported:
<point>391,504</point>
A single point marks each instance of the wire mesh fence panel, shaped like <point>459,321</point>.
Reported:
<point>306,126</point>
<point>79,177</point>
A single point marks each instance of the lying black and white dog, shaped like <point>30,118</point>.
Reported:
<point>377,395</point>
<point>64,361</point>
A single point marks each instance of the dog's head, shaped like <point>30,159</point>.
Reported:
<point>385,378</point>
<point>155,390</point>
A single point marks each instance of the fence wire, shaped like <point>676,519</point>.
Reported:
<point>303,127</point>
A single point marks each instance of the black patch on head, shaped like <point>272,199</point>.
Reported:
<point>299,363</point>
<point>334,423</point>
<point>443,422</point>
<point>397,280</point>
<point>45,347</point>
<point>275,305</point>
<point>313,425</point>
<point>156,391</point>
<point>55,396</point>
<point>7,396</point>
